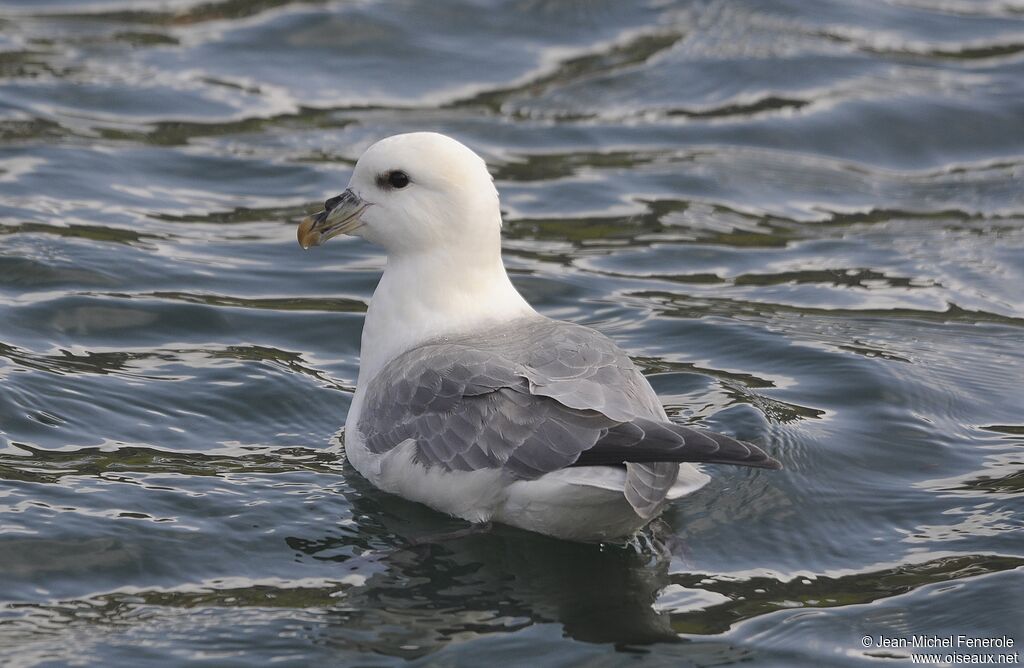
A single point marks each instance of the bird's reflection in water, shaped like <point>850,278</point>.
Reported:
<point>416,587</point>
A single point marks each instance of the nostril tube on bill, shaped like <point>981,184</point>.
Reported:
<point>331,203</point>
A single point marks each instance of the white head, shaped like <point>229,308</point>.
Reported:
<point>429,201</point>
<point>412,193</point>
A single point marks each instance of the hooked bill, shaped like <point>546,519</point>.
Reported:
<point>307,234</point>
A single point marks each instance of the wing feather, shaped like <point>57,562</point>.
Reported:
<point>548,396</point>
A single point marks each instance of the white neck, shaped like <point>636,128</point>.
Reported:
<point>430,294</point>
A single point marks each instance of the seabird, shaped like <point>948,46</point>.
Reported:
<point>470,401</point>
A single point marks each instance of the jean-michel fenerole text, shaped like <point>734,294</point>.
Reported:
<point>951,641</point>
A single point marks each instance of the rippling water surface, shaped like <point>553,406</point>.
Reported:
<point>805,220</point>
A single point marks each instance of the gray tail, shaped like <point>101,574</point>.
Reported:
<point>644,441</point>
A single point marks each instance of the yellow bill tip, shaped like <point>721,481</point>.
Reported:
<point>306,234</point>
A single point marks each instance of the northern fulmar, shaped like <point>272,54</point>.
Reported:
<point>470,401</point>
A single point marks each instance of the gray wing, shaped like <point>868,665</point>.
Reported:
<point>469,409</point>
<point>556,395</point>
<point>579,367</point>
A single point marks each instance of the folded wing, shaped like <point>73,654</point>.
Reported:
<point>574,400</point>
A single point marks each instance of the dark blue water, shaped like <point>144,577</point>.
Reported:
<point>804,220</point>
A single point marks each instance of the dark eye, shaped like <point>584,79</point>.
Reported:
<point>396,179</point>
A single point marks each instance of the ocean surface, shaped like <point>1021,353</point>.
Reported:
<point>804,220</point>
